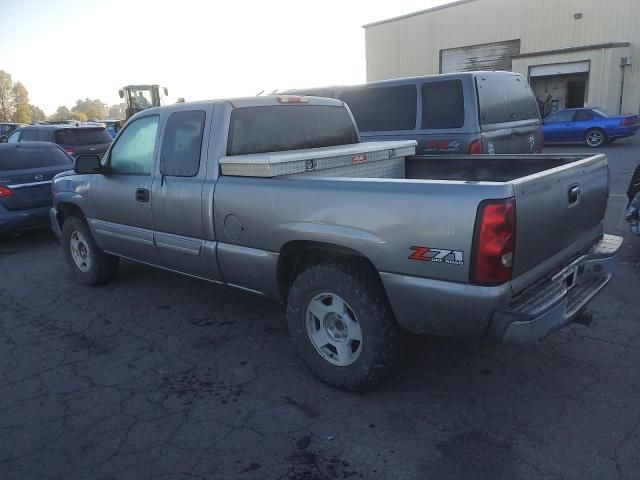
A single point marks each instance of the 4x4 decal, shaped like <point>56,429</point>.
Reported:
<point>437,255</point>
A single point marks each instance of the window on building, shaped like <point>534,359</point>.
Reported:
<point>378,109</point>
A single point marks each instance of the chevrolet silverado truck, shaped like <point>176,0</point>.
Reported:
<point>278,197</point>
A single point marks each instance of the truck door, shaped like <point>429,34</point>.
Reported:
<point>121,198</point>
<point>178,194</point>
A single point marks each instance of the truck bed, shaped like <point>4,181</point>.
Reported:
<point>482,168</point>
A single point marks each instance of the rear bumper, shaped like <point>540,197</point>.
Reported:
<point>449,309</point>
<point>622,132</point>
<point>20,220</point>
<point>552,304</point>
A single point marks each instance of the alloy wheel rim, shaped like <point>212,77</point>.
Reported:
<point>80,251</point>
<point>594,139</point>
<point>333,329</point>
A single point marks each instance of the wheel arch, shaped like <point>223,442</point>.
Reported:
<point>296,255</point>
<point>66,210</point>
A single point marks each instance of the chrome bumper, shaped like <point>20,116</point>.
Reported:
<point>553,303</point>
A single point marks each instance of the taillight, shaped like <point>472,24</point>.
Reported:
<point>627,122</point>
<point>475,147</point>
<point>494,242</point>
<point>70,150</point>
<point>5,191</point>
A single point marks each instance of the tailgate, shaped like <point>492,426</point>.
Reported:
<point>559,212</point>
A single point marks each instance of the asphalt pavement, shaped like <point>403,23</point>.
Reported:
<point>158,376</point>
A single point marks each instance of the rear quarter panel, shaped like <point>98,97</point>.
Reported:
<point>380,219</point>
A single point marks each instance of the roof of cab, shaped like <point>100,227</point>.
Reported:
<point>244,102</point>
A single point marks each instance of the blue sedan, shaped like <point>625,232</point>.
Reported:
<point>590,125</point>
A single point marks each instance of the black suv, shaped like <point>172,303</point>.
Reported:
<point>75,140</point>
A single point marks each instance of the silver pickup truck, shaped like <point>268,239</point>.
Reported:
<point>276,196</point>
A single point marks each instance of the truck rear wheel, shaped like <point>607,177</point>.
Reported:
<point>340,320</point>
<point>89,265</point>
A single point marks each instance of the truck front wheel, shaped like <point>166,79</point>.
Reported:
<point>89,265</point>
<point>340,320</point>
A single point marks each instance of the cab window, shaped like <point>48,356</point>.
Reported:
<point>180,154</point>
<point>583,116</point>
<point>560,117</point>
<point>133,152</point>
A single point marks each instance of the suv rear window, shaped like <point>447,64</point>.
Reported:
<point>82,136</point>
<point>505,98</point>
<point>289,127</point>
<point>442,105</point>
<point>378,109</point>
<point>32,157</point>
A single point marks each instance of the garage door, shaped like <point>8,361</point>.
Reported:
<point>491,56</point>
<point>559,69</point>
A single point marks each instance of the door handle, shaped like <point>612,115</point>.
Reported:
<point>142,195</point>
<point>574,194</point>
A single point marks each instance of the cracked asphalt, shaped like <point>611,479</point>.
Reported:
<point>157,376</point>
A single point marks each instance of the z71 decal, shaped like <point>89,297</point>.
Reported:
<point>437,255</point>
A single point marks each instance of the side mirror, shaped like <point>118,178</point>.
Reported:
<point>88,164</point>
<point>3,139</point>
<point>121,93</point>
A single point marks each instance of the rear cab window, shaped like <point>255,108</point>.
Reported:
<point>33,157</point>
<point>279,128</point>
<point>504,98</point>
<point>82,136</point>
<point>442,105</point>
<point>386,108</point>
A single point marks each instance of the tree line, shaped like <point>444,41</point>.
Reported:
<point>15,106</point>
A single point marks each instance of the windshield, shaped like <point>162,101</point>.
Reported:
<point>141,97</point>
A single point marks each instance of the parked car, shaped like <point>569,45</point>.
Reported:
<point>593,126</point>
<point>471,112</point>
<point>7,128</point>
<point>26,171</point>
<point>244,193</point>
<point>112,126</point>
<point>75,140</point>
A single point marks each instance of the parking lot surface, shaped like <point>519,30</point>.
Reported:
<point>165,377</point>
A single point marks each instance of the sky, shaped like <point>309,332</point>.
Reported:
<point>65,50</point>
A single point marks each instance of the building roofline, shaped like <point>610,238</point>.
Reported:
<point>419,12</point>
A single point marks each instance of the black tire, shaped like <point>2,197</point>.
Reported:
<point>100,267</point>
<point>595,138</point>
<point>361,289</point>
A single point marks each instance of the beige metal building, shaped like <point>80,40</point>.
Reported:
<point>574,52</point>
